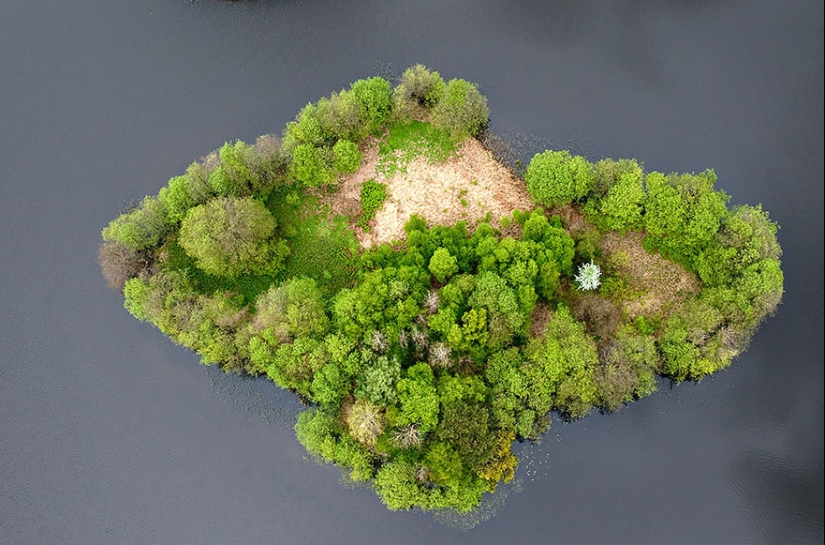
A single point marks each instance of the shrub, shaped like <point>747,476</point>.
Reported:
<point>372,198</point>
<point>556,178</point>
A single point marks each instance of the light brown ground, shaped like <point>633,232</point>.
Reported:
<point>663,284</point>
<point>434,191</point>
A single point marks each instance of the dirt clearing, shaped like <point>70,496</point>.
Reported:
<point>468,186</point>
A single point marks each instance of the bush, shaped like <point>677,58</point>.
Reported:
<point>462,110</point>
<point>372,198</point>
<point>228,237</point>
<point>556,178</point>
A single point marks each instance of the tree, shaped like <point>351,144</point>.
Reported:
<point>311,165</point>
<point>139,229</point>
<point>346,156</point>
<point>378,380</point>
<point>293,309</point>
<point>177,198</point>
<point>419,90</point>
<point>556,178</point>
<point>374,102</point>
<point>119,263</point>
<point>419,399</point>
<point>229,236</point>
<point>443,265</point>
<point>461,111</point>
<point>588,277</point>
<point>560,367</point>
<point>618,196</point>
<point>365,421</point>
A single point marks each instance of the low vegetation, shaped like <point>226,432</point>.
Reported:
<point>422,361</point>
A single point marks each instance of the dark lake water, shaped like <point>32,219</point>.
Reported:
<point>110,434</point>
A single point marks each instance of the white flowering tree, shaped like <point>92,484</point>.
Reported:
<point>589,276</point>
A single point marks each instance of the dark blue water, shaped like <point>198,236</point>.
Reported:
<point>110,434</point>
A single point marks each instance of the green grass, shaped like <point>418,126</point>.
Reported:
<point>406,141</point>
<point>322,247</point>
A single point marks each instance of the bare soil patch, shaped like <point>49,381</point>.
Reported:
<point>469,186</point>
<point>663,284</point>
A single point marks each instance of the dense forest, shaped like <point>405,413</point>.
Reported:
<point>421,361</point>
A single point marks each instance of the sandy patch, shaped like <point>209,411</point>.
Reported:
<point>467,187</point>
<point>664,284</point>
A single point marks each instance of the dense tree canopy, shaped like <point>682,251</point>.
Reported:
<point>423,361</point>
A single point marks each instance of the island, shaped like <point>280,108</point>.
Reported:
<point>431,299</point>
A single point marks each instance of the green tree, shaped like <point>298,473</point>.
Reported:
<point>560,367</point>
<point>346,156</point>
<point>176,198</point>
<point>443,265</point>
<point>374,97</point>
<point>378,381</point>
<point>311,166</point>
<point>293,309</point>
<point>228,237</point>
<point>141,228</point>
<point>556,178</point>
<point>621,205</point>
<point>419,90</point>
<point>418,397</point>
<point>461,111</point>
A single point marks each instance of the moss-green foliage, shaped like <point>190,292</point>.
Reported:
<point>424,361</point>
<point>372,199</point>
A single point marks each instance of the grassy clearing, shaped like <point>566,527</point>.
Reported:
<point>407,141</point>
<point>322,247</point>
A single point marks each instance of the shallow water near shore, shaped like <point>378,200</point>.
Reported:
<point>111,434</point>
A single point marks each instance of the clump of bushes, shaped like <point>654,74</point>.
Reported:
<point>372,199</point>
